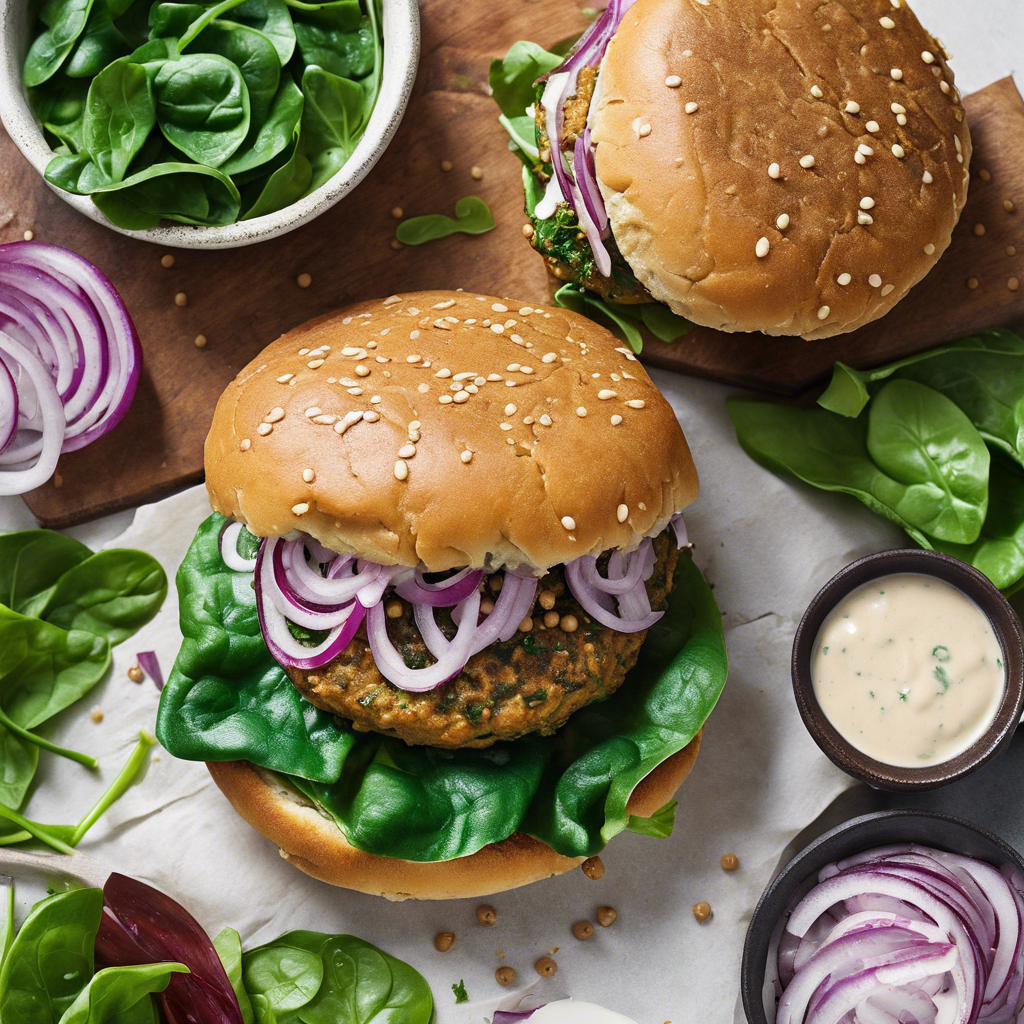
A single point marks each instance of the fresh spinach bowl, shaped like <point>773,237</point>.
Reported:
<point>205,125</point>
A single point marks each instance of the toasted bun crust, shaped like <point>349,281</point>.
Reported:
<point>349,428</point>
<point>690,196</point>
<point>314,844</point>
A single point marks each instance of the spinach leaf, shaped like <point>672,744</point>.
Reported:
<point>659,825</point>
<point>333,120</point>
<point>189,193</point>
<point>60,105</point>
<point>112,594</point>
<point>51,958</point>
<point>31,561</point>
<point>100,44</point>
<point>114,991</point>
<point>661,321</point>
<point>227,699</point>
<point>346,54</point>
<point>282,187</point>
<point>65,21</point>
<point>119,115</point>
<point>522,133</point>
<point>270,137</point>
<point>922,439</point>
<point>202,106</point>
<point>7,922</point>
<point>341,15</point>
<point>472,217</point>
<point>228,945</point>
<point>512,78</point>
<point>171,20</point>
<point>358,983</point>
<point>270,17</point>
<point>286,978</point>
<point>586,303</point>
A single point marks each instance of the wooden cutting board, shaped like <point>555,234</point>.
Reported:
<point>242,299</point>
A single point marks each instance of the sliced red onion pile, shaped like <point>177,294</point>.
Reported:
<point>578,182</point>
<point>905,935</point>
<point>69,360</point>
<point>301,586</point>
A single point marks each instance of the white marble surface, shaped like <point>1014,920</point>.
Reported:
<point>765,544</point>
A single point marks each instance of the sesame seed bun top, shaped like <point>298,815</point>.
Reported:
<point>779,165</point>
<point>450,429</point>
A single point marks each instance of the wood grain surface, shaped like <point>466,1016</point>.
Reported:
<point>242,299</point>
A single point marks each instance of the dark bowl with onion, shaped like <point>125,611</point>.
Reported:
<point>1006,627</point>
<point>797,888</point>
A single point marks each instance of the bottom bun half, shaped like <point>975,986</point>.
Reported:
<point>315,844</point>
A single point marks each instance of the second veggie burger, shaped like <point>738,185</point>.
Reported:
<point>439,636</point>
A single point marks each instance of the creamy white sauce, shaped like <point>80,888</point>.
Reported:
<point>566,1011</point>
<point>908,670</point>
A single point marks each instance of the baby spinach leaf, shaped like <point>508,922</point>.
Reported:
<point>114,991</point>
<point>227,699</point>
<point>512,78</point>
<point>333,120</point>
<point>472,217</point>
<point>661,321</point>
<point>113,594</point>
<point>283,187</point>
<point>51,958</point>
<point>659,825</point>
<point>228,945</point>
<point>189,193</point>
<point>273,19</point>
<point>171,20</point>
<point>119,115</point>
<point>270,137</point>
<point>60,105</point>
<point>579,300</point>
<point>202,106</point>
<point>65,21</point>
<point>31,561</point>
<point>922,439</point>
<point>100,44</point>
<point>347,54</point>
<point>285,977</point>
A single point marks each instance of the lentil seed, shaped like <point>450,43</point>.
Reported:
<point>702,911</point>
<point>444,941</point>
<point>546,967</point>
<point>504,976</point>
<point>593,868</point>
<point>606,916</point>
<point>486,915</point>
<point>583,930</point>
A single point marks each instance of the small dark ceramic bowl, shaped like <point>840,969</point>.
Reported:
<point>865,833</point>
<point>1005,625</point>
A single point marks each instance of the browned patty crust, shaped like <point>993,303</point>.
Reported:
<point>531,683</point>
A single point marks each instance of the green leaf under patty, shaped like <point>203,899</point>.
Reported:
<point>227,699</point>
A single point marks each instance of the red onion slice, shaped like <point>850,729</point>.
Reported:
<point>229,549</point>
<point>445,594</point>
<point>149,665</point>
<point>595,593</point>
<point>8,407</point>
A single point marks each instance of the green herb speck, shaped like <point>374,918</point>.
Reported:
<point>459,988</point>
<point>941,653</point>
<point>940,674</point>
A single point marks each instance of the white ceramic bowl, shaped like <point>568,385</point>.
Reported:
<point>401,56</point>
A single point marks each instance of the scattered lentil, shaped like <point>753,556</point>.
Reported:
<point>1013,284</point>
<point>446,165</point>
<point>96,715</point>
<point>730,862</point>
<point>972,283</point>
<point>181,299</point>
<point>583,930</point>
<point>593,868</point>
<point>546,967</point>
<point>606,916</point>
<point>200,341</point>
<point>304,280</point>
<point>702,911</point>
<point>569,623</point>
<point>443,941</point>
<point>135,674</point>
<point>486,915</point>
<point>165,261</point>
<point>476,172</point>
<point>504,976</point>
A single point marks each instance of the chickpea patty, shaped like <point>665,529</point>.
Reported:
<point>531,683</point>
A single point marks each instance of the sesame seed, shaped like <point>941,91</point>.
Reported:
<point>762,247</point>
<point>927,177</point>
<point>315,364</point>
<point>875,281</point>
<point>927,57</point>
<point>898,108</point>
<point>1011,250</point>
<point>313,410</point>
<point>568,522</point>
<point>872,127</point>
<point>690,108</point>
<point>901,119</point>
<point>355,391</point>
<point>605,394</point>
<point>673,81</point>
<point>581,411</point>
<point>852,107</point>
<point>526,369</point>
<point>898,151</point>
<point>636,403</point>
<point>886,22</point>
<point>401,470</point>
<point>944,86</point>
<point>1013,284</point>
<point>371,416</point>
<point>865,218</point>
<point>476,172</point>
<point>263,429</point>
<point>888,290</point>
<point>165,261</point>
<point>362,371</point>
<point>510,409</point>
<point>957,143</point>
<point>284,378</point>
<point>783,222</point>
<point>824,312</point>
<point>807,161</point>
<point>622,513</point>
<point>867,203</point>
<point>930,249</point>
<point>979,230</point>
<point>304,280</point>
<point>1008,205</point>
<point>407,451</point>
<point>859,158</point>
<point>498,328</point>
<point>645,129</point>
<point>466,456</point>
<point>275,415</point>
<point>549,357</point>
<point>774,171</point>
<point>896,74</point>
<point>308,475</point>
<point>301,509</point>
<point>510,383</point>
<point>865,150</point>
<point>200,341</point>
<point>413,358</point>
<point>616,420</point>
<point>446,165</point>
<point>445,399</point>
<point>972,283</point>
<point>843,280</point>
<point>246,444</point>
<point>460,397</point>
<point>181,299</point>
<point>545,420</point>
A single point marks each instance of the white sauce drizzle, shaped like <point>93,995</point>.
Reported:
<point>908,670</point>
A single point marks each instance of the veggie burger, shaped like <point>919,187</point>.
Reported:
<point>780,166</point>
<point>442,635</point>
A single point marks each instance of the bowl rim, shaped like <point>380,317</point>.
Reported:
<point>755,950</point>
<point>401,28</point>
<point>1005,624</point>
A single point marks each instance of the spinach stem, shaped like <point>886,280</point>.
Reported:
<point>31,737</point>
<point>33,828</point>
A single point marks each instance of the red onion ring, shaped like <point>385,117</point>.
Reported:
<point>595,593</point>
<point>445,594</point>
<point>229,549</point>
<point>8,407</point>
